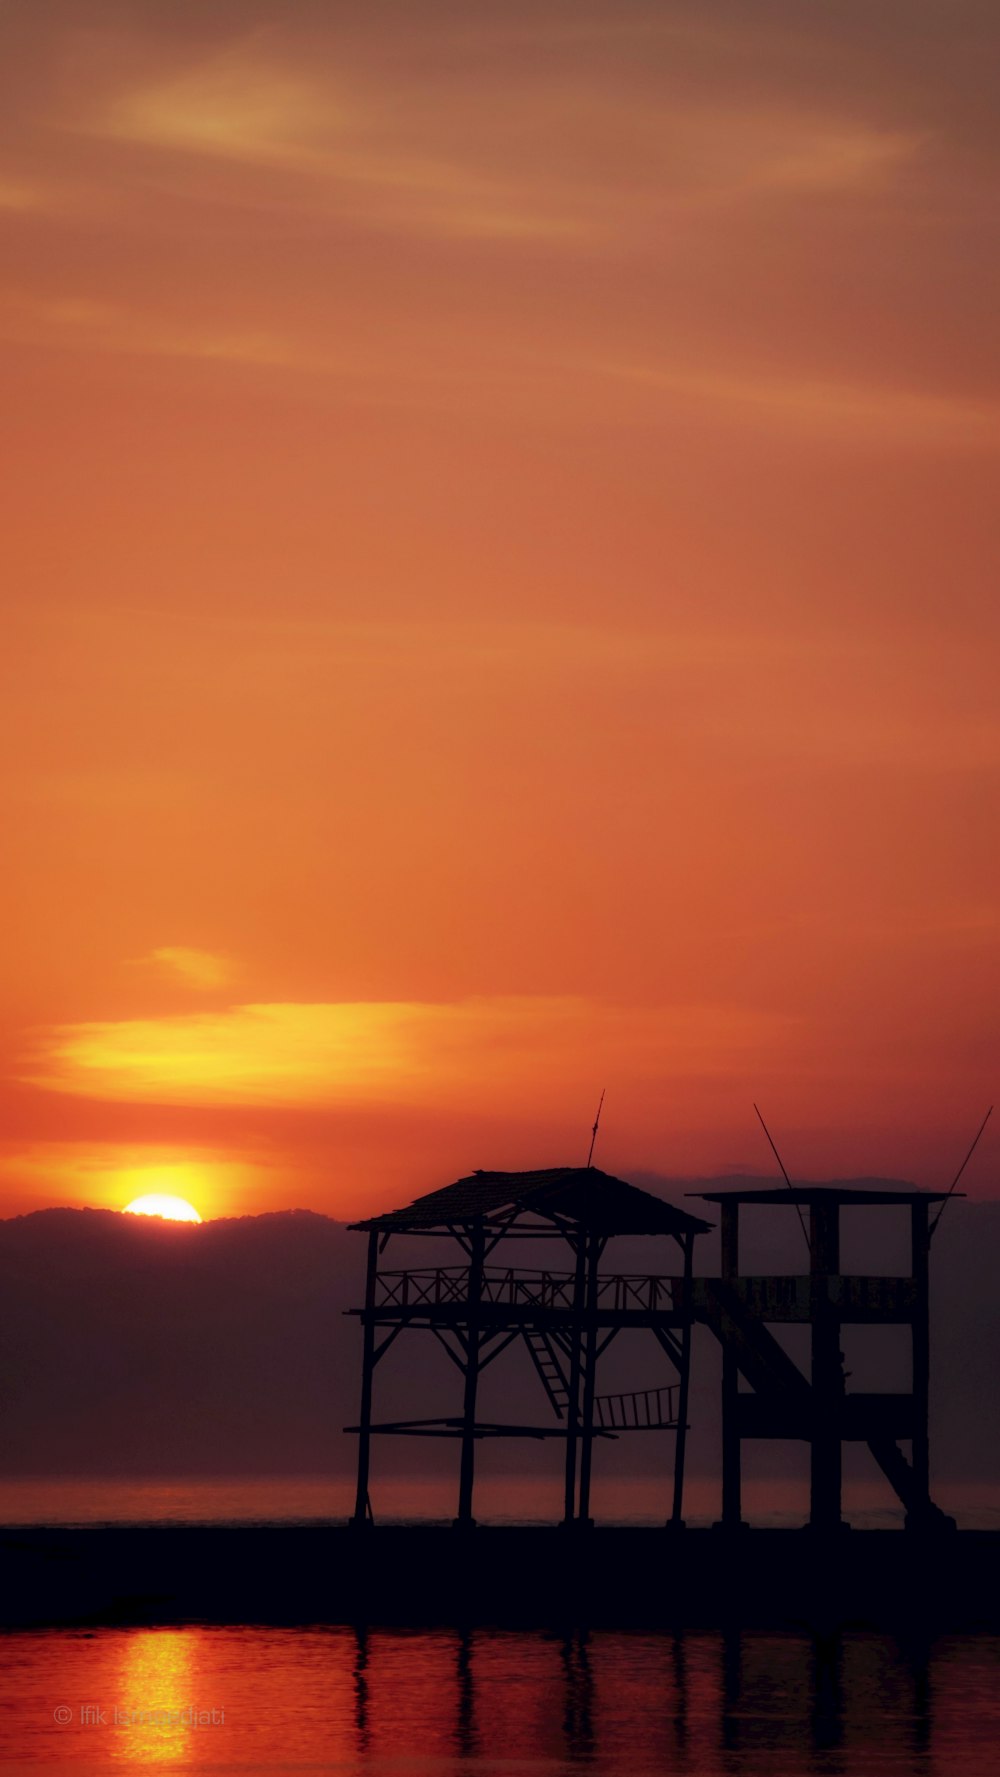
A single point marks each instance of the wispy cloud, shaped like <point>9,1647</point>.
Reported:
<point>356,149</point>
<point>234,108</point>
<point>790,402</point>
<point>82,323</point>
<point>591,158</point>
<point>23,196</point>
<point>388,1052</point>
<point>847,410</point>
<point>198,968</point>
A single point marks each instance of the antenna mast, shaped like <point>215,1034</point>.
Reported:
<point>593,1133</point>
<point>959,1173</point>
<point>781,1163</point>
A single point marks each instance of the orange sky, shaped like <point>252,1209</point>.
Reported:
<point>500,519</point>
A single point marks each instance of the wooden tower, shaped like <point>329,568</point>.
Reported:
<point>566,1318</point>
<point>783,1401</point>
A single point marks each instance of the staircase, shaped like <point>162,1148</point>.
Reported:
<point>764,1363</point>
<point>549,1369</point>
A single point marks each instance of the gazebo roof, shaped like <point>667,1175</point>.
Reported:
<point>580,1195</point>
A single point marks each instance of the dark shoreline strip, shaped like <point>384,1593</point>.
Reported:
<point>537,1577</point>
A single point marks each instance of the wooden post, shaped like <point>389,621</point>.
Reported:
<point>921,1364</point>
<point>367,1374</point>
<point>595,1246</point>
<point>468,1463</point>
<point>573,1406</point>
<point>827,1370</point>
<point>729,1236</point>
<point>677,1515</point>
<point>732,1503</point>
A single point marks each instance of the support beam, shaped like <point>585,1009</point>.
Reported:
<point>732,1502</point>
<point>680,1441</point>
<point>575,1361</point>
<point>827,1369</point>
<point>729,1238</point>
<point>477,1245</point>
<point>595,1248</point>
<point>920,1511</point>
<point>671,1344</point>
<point>361,1509</point>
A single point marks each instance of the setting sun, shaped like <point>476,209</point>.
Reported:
<point>172,1209</point>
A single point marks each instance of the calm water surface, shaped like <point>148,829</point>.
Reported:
<point>334,1700</point>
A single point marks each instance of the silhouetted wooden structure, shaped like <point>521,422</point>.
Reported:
<point>568,1318</point>
<point>783,1402</point>
<point>565,1318</point>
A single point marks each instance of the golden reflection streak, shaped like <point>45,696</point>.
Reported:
<point>155,1687</point>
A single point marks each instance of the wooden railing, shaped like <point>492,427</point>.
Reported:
<point>645,1409</point>
<point>449,1284</point>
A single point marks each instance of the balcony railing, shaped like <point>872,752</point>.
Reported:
<point>447,1285</point>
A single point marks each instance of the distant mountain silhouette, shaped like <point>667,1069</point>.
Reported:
<point>135,1347</point>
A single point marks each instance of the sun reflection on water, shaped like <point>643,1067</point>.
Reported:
<point>155,1681</point>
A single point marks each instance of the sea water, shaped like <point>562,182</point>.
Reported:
<point>257,1701</point>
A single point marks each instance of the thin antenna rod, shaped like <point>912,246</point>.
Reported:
<point>593,1133</point>
<point>960,1171</point>
<point>781,1163</point>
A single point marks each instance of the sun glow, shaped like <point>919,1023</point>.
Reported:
<point>157,1203</point>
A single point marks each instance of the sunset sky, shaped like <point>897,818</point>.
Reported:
<point>500,518</point>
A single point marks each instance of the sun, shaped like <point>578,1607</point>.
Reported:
<point>172,1209</point>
